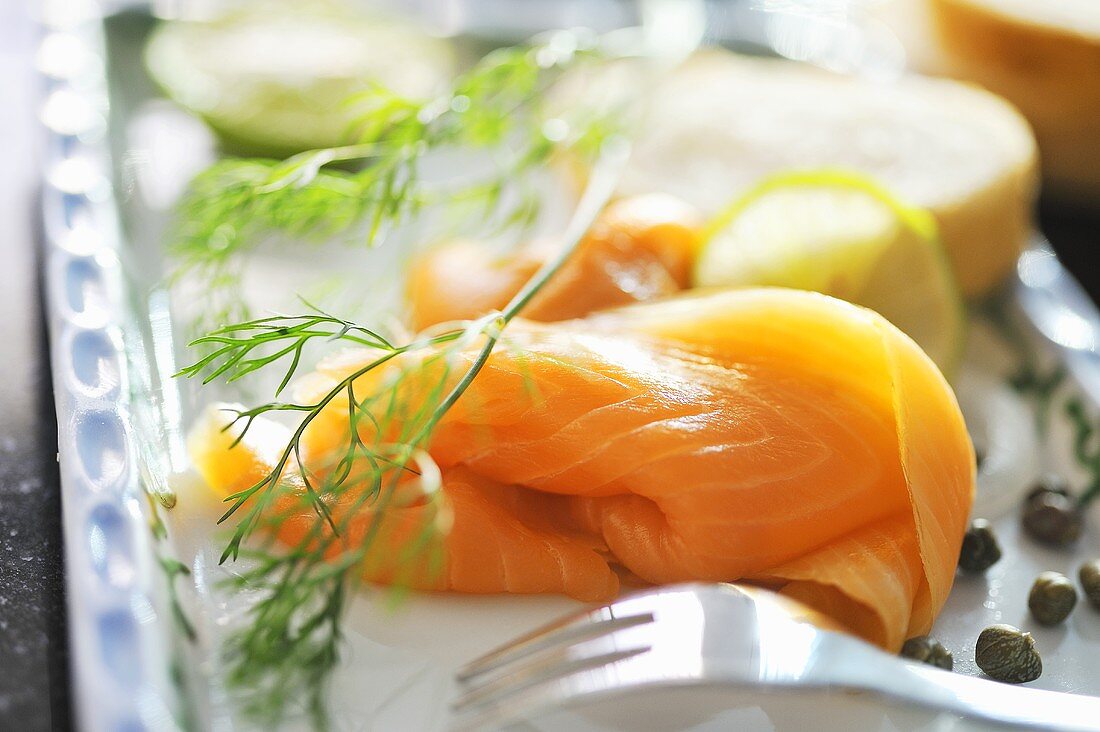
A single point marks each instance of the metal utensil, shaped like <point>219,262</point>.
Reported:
<point>1060,311</point>
<point>738,638</point>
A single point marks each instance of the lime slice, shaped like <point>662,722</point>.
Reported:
<point>721,122</point>
<point>279,78</point>
<point>840,234</point>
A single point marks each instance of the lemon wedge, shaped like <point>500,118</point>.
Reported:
<point>840,234</point>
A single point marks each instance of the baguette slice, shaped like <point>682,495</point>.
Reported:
<point>1045,58</point>
<point>723,122</point>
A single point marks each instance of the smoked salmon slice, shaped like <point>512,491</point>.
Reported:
<point>485,538</point>
<point>641,248</point>
<point>771,436</point>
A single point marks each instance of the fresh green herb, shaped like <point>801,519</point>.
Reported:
<point>231,345</point>
<point>1086,448</point>
<point>185,635</point>
<point>292,639</point>
<point>1043,387</point>
<point>499,107</point>
<point>172,569</point>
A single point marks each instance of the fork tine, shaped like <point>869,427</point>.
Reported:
<point>501,688</point>
<point>574,630</point>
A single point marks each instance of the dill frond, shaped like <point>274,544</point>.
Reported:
<point>335,509</point>
<point>498,107</point>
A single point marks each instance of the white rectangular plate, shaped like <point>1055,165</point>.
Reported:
<point>118,157</point>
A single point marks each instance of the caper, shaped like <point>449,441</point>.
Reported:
<point>1049,483</point>
<point>1089,575</point>
<point>1052,598</point>
<point>1052,518</point>
<point>926,649</point>
<point>980,549</point>
<point>1008,654</point>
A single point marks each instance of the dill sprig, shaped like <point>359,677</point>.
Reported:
<point>498,107</point>
<point>236,350</point>
<point>291,643</point>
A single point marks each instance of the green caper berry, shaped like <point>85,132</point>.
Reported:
<point>1052,598</point>
<point>1008,654</point>
<point>1089,575</point>
<point>927,649</point>
<point>1052,518</point>
<point>980,549</point>
<point>1049,483</point>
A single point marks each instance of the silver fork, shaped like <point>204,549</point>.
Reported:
<point>731,640</point>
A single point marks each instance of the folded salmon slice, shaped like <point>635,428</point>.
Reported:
<point>773,436</point>
<point>485,537</point>
<point>641,248</point>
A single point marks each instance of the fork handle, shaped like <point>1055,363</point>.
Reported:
<point>987,700</point>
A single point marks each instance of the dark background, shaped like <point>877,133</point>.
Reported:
<point>34,689</point>
<point>33,663</point>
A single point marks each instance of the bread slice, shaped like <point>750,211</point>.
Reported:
<point>1045,58</point>
<point>723,122</point>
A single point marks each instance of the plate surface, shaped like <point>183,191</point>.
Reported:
<point>119,158</point>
